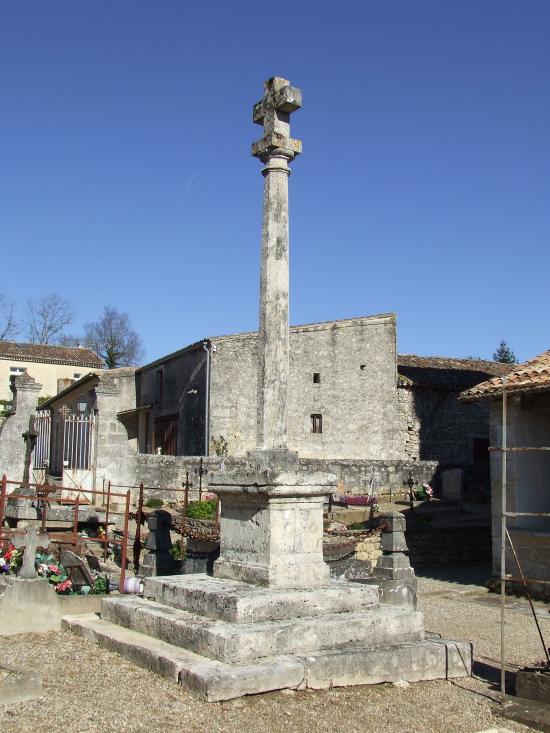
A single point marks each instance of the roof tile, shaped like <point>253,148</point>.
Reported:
<point>46,353</point>
<point>531,376</point>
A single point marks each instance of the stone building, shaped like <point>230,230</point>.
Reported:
<point>86,434</point>
<point>342,393</point>
<point>356,409</point>
<point>438,426</point>
<point>54,367</point>
<point>528,472</point>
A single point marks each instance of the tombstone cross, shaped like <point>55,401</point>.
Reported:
<point>30,541</point>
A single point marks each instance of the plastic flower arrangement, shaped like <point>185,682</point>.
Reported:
<point>55,573</point>
<point>10,559</point>
<point>361,500</point>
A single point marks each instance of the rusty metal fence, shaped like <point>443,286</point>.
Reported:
<point>46,499</point>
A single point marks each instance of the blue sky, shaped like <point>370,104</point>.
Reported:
<point>424,186</point>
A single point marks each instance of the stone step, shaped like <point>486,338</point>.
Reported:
<point>215,681</point>
<point>238,643</point>
<point>234,601</point>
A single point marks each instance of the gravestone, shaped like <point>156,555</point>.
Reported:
<point>393,572</point>
<point>452,482</point>
<point>30,540</point>
<point>157,560</point>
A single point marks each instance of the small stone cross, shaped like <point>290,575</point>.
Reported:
<point>30,541</point>
<point>273,112</point>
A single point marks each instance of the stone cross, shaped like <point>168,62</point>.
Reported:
<point>271,520</point>
<point>30,541</point>
<point>275,150</point>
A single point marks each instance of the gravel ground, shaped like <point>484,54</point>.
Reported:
<point>89,689</point>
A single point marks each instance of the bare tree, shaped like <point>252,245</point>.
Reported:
<point>8,324</point>
<point>47,317</point>
<point>113,339</point>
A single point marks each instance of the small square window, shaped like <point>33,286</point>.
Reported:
<point>316,378</point>
<point>316,423</point>
<point>76,376</point>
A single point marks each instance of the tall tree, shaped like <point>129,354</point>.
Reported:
<point>47,317</point>
<point>113,339</point>
<point>504,354</point>
<point>8,325</point>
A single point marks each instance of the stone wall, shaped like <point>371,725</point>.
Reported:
<point>176,386</point>
<point>354,390</point>
<point>355,476</point>
<point>116,442</point>
<point>436,427</point>
<point>449,545</point>
<point>12,447</point>
<point>527,480</point>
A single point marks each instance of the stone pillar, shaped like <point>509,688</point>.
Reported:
<point>157,560</point>
<point>276,149</point>
<point>12,445</point>
<point>393,572</point>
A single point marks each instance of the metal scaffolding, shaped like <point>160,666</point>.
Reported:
<point>504,449</point>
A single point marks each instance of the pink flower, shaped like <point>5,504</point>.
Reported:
<point>54,569</point>
<point>64,586</point>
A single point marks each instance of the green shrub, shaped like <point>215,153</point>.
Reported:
<point>177,551</point>
<point>202,509</point>
<point>154,503</point>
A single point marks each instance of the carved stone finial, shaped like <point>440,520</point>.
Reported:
<point>273,112</point>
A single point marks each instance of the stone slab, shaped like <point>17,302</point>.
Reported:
<point>237,602</point>
<point>430,659</point>
<point>215,681</point>
<point>228,642</point>
<point>17,685</point>
<point>210,679</point>
<point>33,605</point>
<point>532,713</point>
<point>533,684</point>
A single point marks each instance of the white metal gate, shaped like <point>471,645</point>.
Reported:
<point>42,427</point>
<point>78,438</point>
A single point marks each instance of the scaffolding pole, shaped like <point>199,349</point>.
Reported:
<point>503,545</point>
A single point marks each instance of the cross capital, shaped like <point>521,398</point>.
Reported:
<point>273,112</point>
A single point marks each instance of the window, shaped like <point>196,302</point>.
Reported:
<point>17,370</point>
<point>316,423</point>
<point>316,378</point>
<point>76,376</point>
<point>159,385</point>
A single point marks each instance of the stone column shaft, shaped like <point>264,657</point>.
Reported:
<point>273,342</point>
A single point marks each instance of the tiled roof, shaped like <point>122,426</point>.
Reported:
<point>47,354</point>
<point>531,376</point>
<point>445,373</point>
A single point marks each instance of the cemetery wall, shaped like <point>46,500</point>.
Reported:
<point>354,476</point>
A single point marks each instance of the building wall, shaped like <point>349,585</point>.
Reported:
<point>356,393</point>
<point>183,395</point>
<point>45,374</point>
<point>435,426</point>
<point>527,483</point>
